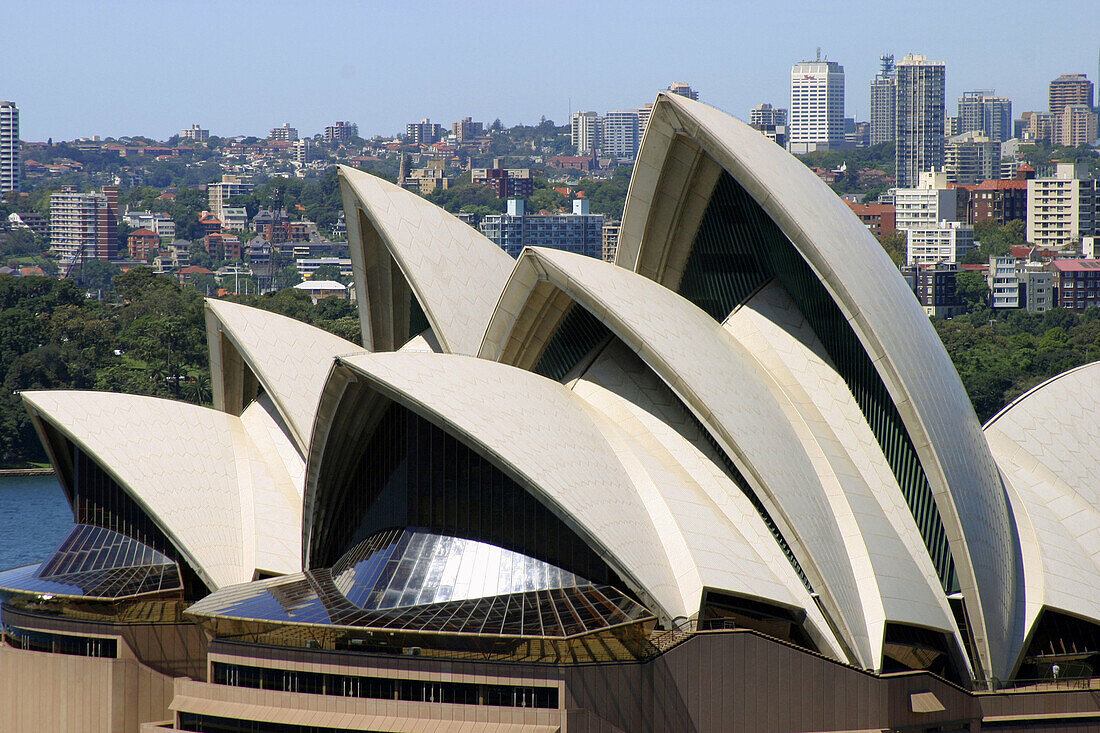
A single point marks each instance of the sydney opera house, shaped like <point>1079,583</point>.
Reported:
<point>730,481</point>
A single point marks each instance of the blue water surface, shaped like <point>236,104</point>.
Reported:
<point>34,519</point>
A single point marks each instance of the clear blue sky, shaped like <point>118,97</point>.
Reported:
<point>153,67</point>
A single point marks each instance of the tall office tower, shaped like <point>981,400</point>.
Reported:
<point>982,111</point>
<point>920,117</point>
<point>817,107</point>
<point>11,169</point>
<point>1069,89</point>
<point>286,133</point>
<point>84,226</point>
<point>585,132</point>
<point>765,114</point>
<point>884,89</point>
<point>683,89</point>
<point>620,134</point>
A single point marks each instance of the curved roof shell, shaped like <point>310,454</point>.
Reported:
<point>698,359</point>
<point>1045,445</point>
<point>686,148</point>
<point>253,349</point>
<point>193,470</point>
<point>403,245</point>
<point>530,427</point>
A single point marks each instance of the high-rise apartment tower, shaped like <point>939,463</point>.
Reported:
<point>919,128</point>
<point>585,132</point>
<point>883,101</point>
<point>982,111</point>
<point>1069,89</point>
<point>11,169</point>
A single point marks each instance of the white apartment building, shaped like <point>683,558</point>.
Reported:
<point>971,158</point>
<point>155,221</point>
<point>817,107</point>
<point>306,266</point>
<point>300,149</point>
<point>286,133</point>
<point>1004,284</point>
<point>1062,209</point>
<point>11,168</point>
<point>1020,284</point>
<point>196,133</point>
<point>945,242</point>
<point>926,205</point>
<point>234,218</point>
<point>585,132</point>
<point>219,194</point>
<point>620,134</point>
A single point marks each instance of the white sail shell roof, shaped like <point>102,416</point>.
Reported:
<point>541,434</point>
<point>1045,443</point>
<point>693,141</point>
<point>195,471</point>
<point>289,358</point>
<point>699,361</point>
<point>455,272</point>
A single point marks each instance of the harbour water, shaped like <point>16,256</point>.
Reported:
<point>34,518</point>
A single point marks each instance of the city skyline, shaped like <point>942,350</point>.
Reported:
<point>319,68</point>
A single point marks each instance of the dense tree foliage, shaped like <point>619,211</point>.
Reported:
<point>149,338</point>
<point>1001,356</point>
<point>994,240</point>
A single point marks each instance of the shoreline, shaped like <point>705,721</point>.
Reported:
<point>25,472</point>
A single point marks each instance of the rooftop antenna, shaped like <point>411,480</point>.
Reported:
<point>818,53</point>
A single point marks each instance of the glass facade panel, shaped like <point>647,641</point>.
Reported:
<point>412,567</point>
<point>414,474</point>
<point>578,333</point>
<point>383,688</point>
<point>44,641</point>
<point>737,249</point>
<point>312,598</point>
<point>115,550</point>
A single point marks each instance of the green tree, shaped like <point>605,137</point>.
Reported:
<point>329,272</point>
<point>96,275</point>
<point>287,277</point>
<point>972,289</point>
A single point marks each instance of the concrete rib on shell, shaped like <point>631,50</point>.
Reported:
<point>713,536</point>
<point>1045,445</point>
<point>289,358</point>
<point>673,181</point>
<point>880,532</point>
<point>195,471</point>
<point>699,360</point>
<point>455,272</point>
<point>538,432</point>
